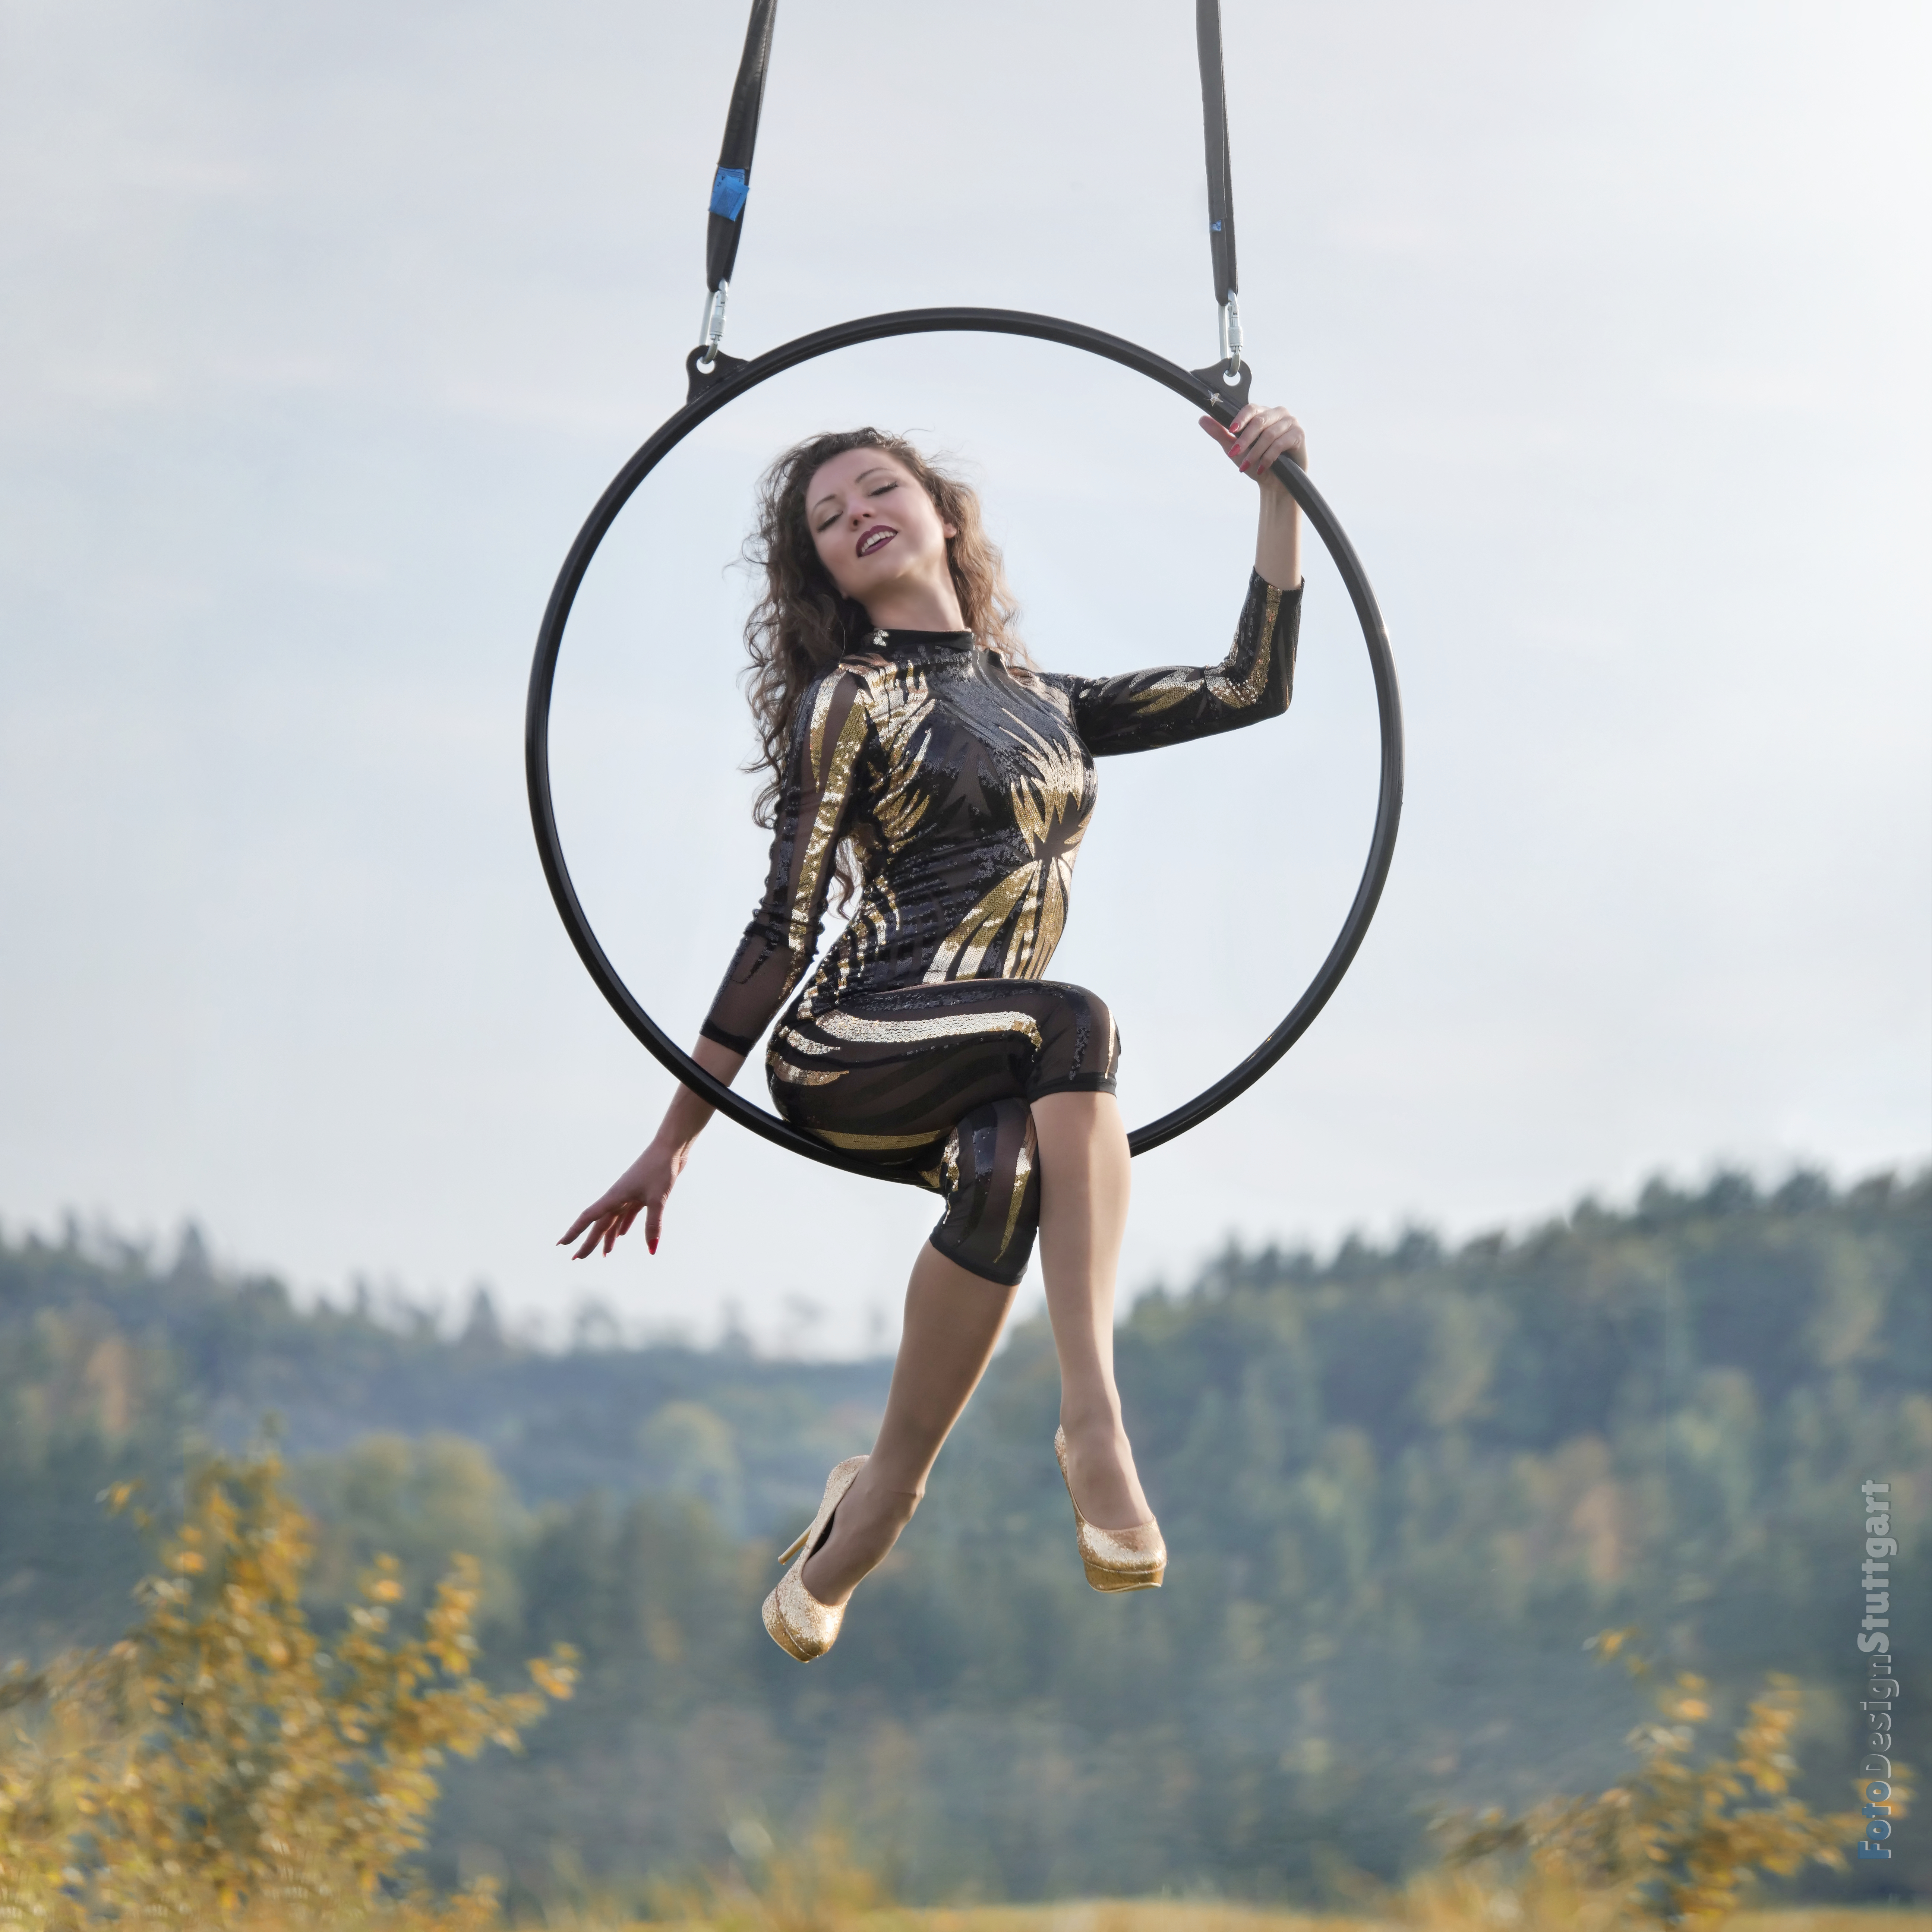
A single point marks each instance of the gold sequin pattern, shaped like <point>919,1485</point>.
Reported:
<point>1241,691</point>
<point>808,902</point>
<point>1022,1174</point>
<point>963,787</point>
<point>878,1143</point>
<point>859,1032</point>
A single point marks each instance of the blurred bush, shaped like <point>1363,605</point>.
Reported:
<point>218,1766</point>
<point>1677,1844</point>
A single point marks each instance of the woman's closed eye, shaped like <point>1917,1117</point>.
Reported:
<point>884,490</point>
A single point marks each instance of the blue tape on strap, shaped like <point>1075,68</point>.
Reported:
<point>728,192</point>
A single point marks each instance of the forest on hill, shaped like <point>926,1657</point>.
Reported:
<point>1402,1486</point>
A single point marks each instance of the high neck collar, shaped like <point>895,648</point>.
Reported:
<point>903,643</point>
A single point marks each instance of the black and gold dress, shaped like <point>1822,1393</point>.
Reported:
<point>965,784</point>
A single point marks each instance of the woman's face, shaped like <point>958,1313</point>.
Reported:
<point>875,527</point>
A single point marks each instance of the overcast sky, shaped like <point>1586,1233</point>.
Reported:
<point>321,327</point>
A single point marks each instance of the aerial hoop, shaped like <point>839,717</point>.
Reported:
<point>717,379</point>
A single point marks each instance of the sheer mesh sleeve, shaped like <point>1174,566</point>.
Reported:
<point>1140,710</point>
<point>814,804</point>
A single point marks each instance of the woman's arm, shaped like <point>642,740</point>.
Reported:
<point>645,1184</point>
<point>1169,704</point>
<point>814,808</point>
<point>1256,440</point>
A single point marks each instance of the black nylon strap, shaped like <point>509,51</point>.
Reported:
<point>732,183</point>
<point>732,180</point>
<point>1214,120</point>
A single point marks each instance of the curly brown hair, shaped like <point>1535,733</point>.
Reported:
<point>802,625</point>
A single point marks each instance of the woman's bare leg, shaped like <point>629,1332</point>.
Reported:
<point>1083,1215</point>
<point>953,1319</point>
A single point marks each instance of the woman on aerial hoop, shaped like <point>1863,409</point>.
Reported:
<point>916,751</point>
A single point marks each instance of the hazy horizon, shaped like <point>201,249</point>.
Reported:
<point>591,1321</point>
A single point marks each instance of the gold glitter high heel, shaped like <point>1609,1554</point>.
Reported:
<point>798,1623</point>
<point>1114,1559</point>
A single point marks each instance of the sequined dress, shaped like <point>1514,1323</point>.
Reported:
<point>965,784</point>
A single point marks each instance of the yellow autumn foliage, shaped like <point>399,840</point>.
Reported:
<point>1677,1843</point>
<point>222,1766</point>
<point>225,1766</point>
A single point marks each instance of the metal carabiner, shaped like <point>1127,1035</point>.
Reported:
<point>713,334</point>
<point>1231,337</point>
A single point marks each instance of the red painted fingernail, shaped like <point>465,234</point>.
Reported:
<point>651,1242</point>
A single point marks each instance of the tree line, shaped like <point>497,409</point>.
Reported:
<point>1402,1485</point>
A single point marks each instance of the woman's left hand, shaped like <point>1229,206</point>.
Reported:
<point>1258,438</point>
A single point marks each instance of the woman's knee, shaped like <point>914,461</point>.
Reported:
<point>1080,1045</point>
<point>990,1175</point>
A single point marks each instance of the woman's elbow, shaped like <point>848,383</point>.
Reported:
<point>1272,703</point>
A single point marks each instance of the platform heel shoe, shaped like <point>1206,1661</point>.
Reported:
<point>798,1623</point>
<point>1114,1559</point>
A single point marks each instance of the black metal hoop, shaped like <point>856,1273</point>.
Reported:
<point>722,381</point>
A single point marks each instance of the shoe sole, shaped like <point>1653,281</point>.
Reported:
<point>1113,1582</point>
